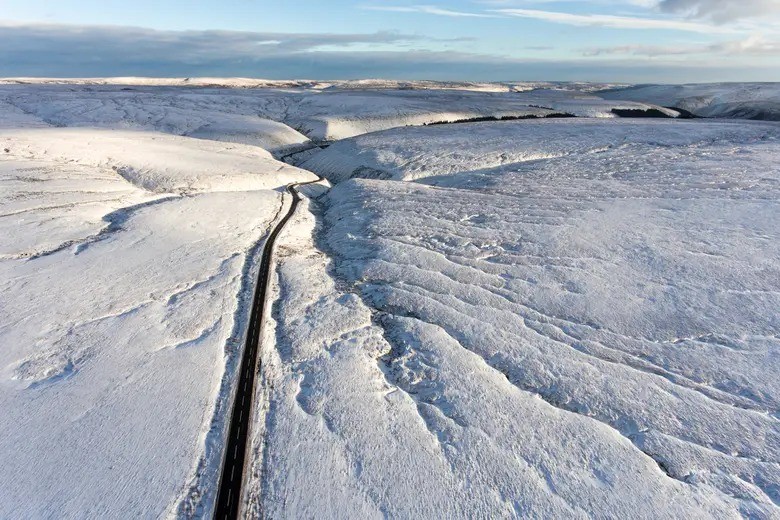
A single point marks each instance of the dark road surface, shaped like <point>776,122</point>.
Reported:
<point>235,456</point>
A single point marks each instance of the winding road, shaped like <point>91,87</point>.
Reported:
<point>228,505</point>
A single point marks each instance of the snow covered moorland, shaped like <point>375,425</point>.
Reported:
<point>736,100</point>
<point>560,318</point>
<point>321,112</point>
<point>125,259</point>
<point>550,318</point>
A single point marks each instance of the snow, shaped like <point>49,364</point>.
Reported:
<point>542,318</point>
<point>369,421</point>
<point>588,332</point>
<point>266,117</point>
<point>584,104</point>
<point>156,162</point>
<point>355,84</point>
<point>14,117</point>
<point>340,114</point>
<point>203,113</point>
<point>123,309</point>
<point>416,153</point>
<point>134,81</point>
<point>738,100</point>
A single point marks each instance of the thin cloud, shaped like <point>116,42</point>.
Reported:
<point>426,9</point>
<point>651,51</point>
<point>615,22</point>
<point>582,20</point>
<point>720,11</point>
<point>755,46</point>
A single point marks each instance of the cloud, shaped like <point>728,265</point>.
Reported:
<point>582,20</point>
<point>606,20</point>
<point>99,51</point>
<point>701,16</point>
<point>720,11</point>
<point>639,50</point>
<point>135,43</point>
<point>754,45</point>
<point>427,9</point>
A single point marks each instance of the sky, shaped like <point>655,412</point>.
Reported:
<point>637,41</point>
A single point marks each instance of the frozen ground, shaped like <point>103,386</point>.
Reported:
<point>543,318</point>
<point>121,313</point>
<point>568,319</point>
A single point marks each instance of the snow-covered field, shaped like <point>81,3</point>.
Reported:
<point>125,259</point>
<point>553,318</point>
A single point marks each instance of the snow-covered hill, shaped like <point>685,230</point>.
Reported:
<point>558,318</point>
<point>734,100</point>
<point>126,261</point>
<point>266,117</point>
<point>570,318</point>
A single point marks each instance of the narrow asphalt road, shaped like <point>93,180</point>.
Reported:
<point>228,504</point>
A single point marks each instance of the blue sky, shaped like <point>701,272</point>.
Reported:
<point>598,40</point>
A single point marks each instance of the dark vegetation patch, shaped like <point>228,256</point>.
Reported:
<point>502,118</point>
<point>639,112</point>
